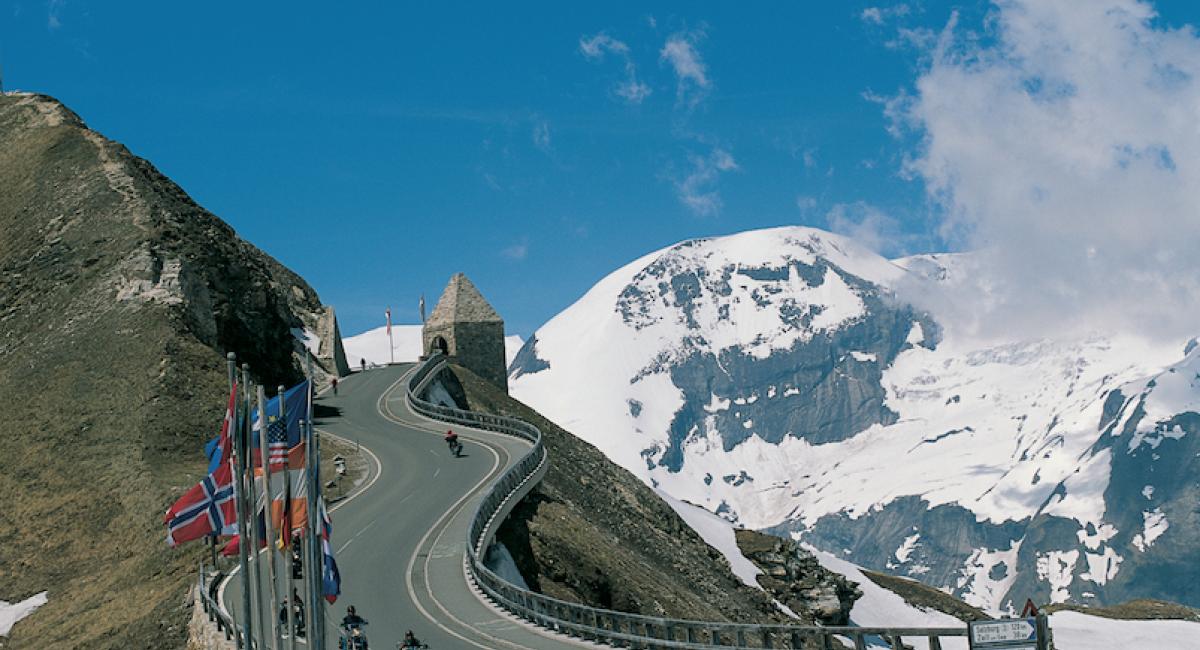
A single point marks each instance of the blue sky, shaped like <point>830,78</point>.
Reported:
<point>377,148</point>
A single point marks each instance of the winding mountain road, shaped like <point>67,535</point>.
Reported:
<point>400,541</point>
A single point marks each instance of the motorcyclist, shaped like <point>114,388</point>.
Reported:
<point>351,623</point>
<point>297,612</point>
<point>452,440</point>
<point>352,618</point>
<point>410,640</point>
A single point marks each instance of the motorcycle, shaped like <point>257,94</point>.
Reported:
<point>456,448</point>
<point>353,637</point>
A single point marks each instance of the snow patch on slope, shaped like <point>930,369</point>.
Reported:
<point>1077,631</point>
<point>881,607</point>
<point>10,613</point>
<point>717,533</point>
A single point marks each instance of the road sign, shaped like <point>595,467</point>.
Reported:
<point>1009,634</point>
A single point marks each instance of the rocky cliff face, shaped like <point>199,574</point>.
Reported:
<point>782,379</point>
<point>119,300</point>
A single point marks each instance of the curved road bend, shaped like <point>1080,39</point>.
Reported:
<point>400,542</point>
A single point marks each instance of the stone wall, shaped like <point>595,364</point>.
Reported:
<point>203,633</point>
<point>479,347</point>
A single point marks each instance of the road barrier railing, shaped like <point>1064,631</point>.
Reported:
<point>619,629</point>
<point>206,587</point>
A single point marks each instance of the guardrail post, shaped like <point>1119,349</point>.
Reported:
<point>691,634</point>
<point>741,638</point>
<point>859,642</point>
<point>897,642</point>
<point>935,642</point>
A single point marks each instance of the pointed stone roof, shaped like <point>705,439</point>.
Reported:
<point>461,302</point>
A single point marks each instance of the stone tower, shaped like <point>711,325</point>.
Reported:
<point>464,327</point>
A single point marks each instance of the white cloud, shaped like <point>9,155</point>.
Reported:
<point>806,203</point>
<point>541,135</point>
<point>868,225</point>
<point>517,251</point>
<point>1066,148</point>
<point>594,48</point>
<point>697,190</point>
<point>880,15</point>
<point>54,9</point>
<point>690,71</point>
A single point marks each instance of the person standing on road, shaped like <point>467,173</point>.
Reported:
<point>364,364</point>
<point>335,386</point>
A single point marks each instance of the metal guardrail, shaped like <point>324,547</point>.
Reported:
<point>205,590</point>
<point>619,629</point>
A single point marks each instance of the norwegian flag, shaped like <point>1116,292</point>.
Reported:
<point>208,508</point>
<point>388,313</point>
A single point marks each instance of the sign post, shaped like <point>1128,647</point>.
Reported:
<point>1008,634</point>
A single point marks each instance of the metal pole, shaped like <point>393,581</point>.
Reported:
<point>391,346</point>
<point>231,361</point>
<point>254,538</point>
<point>240,498</point>
<point>305,547</point>
<point>251,537</point>
<point>268,499</point>
<point>290,589</point>
<point>314,526</point>
<point>319,530</point>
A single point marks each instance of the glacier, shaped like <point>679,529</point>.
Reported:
<point>793,381</point>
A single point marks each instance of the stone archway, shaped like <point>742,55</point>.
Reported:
<point>438,344</point>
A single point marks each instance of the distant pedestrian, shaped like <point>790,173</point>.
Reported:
<point>364,364</point>
<point>335,385</point>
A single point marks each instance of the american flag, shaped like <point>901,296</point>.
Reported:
<point>277,443</point>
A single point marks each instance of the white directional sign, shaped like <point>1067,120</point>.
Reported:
<point>1008,633</point>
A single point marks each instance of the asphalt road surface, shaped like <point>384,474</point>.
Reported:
<point>400,540</point>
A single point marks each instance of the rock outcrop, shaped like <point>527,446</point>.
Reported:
<point>797,579</point>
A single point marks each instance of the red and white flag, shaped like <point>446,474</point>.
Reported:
<point>388,313</point>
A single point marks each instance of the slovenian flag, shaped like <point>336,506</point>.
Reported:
<point>331,578</point>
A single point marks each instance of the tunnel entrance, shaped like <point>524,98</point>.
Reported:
<point>439,345</point>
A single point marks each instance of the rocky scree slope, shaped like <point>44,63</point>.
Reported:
<point>118,301</point>
<point>784,380</point>
<point>592,533</point>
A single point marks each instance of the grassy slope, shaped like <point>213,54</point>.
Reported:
<point>592,533</point>
<point>106,402</point>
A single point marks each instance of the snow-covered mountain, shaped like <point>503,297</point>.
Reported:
<point>776,378</point>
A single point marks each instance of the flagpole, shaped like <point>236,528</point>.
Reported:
<point>286,533</point>
<point>391,346</point>
<point>269,508</point>
<point>231,361</point>
<point>252,536</point>
<point>240,499</point>
<point>249,535</point>
<point>314,492</point>
<point>318,528</point>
